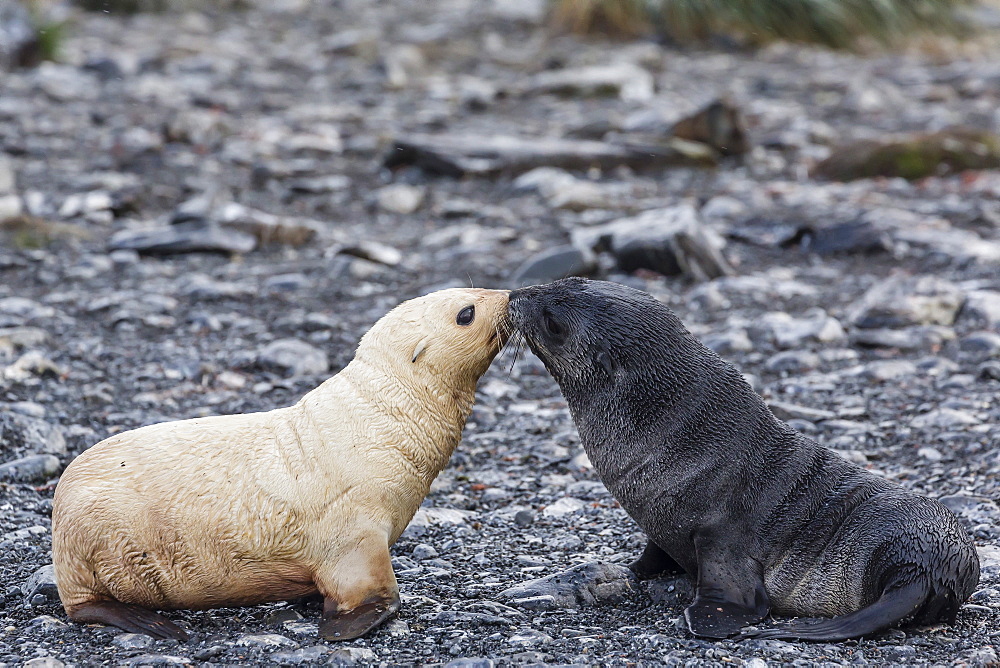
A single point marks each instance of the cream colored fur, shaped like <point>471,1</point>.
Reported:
<point>241,509</point>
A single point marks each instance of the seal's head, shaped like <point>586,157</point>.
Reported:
<point>450,336</point>
<point>588,333</point>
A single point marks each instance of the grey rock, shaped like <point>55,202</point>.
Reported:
<point>47,623</point>
<point>23,432</point>
<point>547,181</point>
<point>18,338</point>
<point>42,583</point>
<point>189,237</point>
<point>266,640</point>
<point>529,638</point>
<point>281,616</point>
<point>989,371</point>
<point>24,309</point>
<point>132,641</point>
<point>43,662</point>
<point>625,80</point>
<point>374,252</point>
<point>719,124</point>
<point>157,660</point>
<point>553,264</point>
<point>903,301</point>
<point>786,331</point>
<point>787,411</point>
<point>928,337</point>
<point>980,658</point>
<point>267,228</point>
<point>310,655</point>
<point>470,662</point>
<point>669,241</point>
<point>865,235</point>
<point>725,343</point>
<point>587,584</point>
<point>944,418</point>
<point>287,282</point>
<point>792,361</point>
<point>981,345</point>
<point>350,656</point>
<point>981,310</point>
<point>11,206</point>
<point>293,357</point>
<point>8,180</point>
<point>422,551</point>
<point>20,44</point>
<point>400,198</point>
<point>461,619</point>
<point>33,468</point>
<point>460,155</point>
<point>885,370</point>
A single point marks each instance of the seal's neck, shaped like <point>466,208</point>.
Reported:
<point>418,419</point>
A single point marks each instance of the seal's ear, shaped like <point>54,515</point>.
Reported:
<point>418,350</point>
<point>604,361</point>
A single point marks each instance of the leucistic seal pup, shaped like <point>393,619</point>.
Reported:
<point>243,509</point>
<point>763,518</point>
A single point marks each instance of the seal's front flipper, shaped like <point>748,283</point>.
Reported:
<point>359,589</point>
<point>896,604</point>
<point>357,621</point>
<point>654,562</point>
<point>730,595</point>
<point>131,618</point>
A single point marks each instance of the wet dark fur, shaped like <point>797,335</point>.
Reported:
<point>762,517</point>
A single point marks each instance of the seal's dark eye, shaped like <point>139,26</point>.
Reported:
<point>553,326</point>
<point>466,316</point>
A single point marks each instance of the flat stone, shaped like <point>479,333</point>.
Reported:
<point>294,357</point>
<point>309,655</point>
<point>483,155</point>
<point>929,337</point>
<point>669,241</point>
<point>564,506</point>
<point>724,343</point>
<point>374,252</point>
<point>884,370</point>
<point>588,584</point>
<point>33,468</point>
<point>267,228</point>
<point>786,331</point>
<point>193,237</point>
<point>787,411</point>
<point>266,640</point>
<point>625,80</point>
<point>400,198</point>
<point>351,656</point>
<point>43,662</point>
<point>944,418</point>
<point>719,124</point>
<point>554,264</point>
<point>32,434</point>
<point>902,301</point>
<point>981,310</point>
<point>792,361</point>
<point>981,345</point>
<point>42,582</point>
<point>132,641</point>
<point>157,660</point>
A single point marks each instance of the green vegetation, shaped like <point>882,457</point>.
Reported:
<point>914,157</point>
<point>835,23</point>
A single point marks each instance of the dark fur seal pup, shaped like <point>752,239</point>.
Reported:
<point>765,519</point>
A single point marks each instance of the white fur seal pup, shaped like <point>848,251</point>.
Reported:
<point>242,509</point>
<point>763,518</point>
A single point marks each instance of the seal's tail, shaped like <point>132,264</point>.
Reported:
<point>906,599</point>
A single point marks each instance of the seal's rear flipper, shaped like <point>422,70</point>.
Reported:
<point>895,605</point>
<point>131,618</point>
